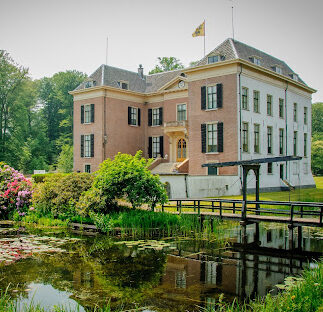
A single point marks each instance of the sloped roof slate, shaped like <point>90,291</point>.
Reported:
<point>230,49</point>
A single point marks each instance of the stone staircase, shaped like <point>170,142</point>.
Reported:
<point>166,168</point>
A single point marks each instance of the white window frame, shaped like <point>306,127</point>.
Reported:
<point>218,56</point>
<point>87,114</point>
<point>295,112</point>
<point>155,148</point>
<point>278,69</point>
<point>258,99</point>
<point>256,60</point>
<point>155,121</point>
<point>133,111</point>
<point>177,111</point>
<point>245,96</point>
<point>270,139</point>
<point>120,82</point>
<point>269,96</point>
<point>255,138</point>
<point>85,167</point>
<point>305,115</point>
<point>214,137</point>
<point>281,101</point>
<point>87,145</point>
<point>214,94</point>
<point>245,137</point>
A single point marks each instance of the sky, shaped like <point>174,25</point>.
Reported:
<point>49,36</point>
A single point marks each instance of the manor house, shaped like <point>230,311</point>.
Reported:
<point>237,103</point>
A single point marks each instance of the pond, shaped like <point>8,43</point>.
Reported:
<point>163,274</point>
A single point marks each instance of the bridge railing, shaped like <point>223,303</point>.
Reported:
<point>291,210</point>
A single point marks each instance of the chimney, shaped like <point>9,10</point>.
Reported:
<point>141,71</point>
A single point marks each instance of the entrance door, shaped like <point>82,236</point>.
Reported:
<point>181,150</point>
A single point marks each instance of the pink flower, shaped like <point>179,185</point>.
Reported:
<point>31,208</point>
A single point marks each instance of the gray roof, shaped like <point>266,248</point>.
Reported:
<point>229,49</point>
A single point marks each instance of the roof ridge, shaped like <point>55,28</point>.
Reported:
<point>129,71</point>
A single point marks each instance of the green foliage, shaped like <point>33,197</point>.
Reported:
<point>65,159</point>
<point>167,64</point>
<point>317,157</point>
<point>59,193</point>
<point>128,177</point>
<point>39,177</point>
<point>317,118</point>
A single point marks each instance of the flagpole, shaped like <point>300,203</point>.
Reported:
<point>106,52</point>
<point>204,37</point>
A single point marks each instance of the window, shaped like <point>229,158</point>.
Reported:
<point>87,113</point>
<point>270,168</point>
<point>305,115</point>
<point>212,138</point>
<point>133,116</point>
<point>295,143</point>
<point>269,105</point>
<point>256,101</point>
<point>215,58</point>
<point>245,134</point>
<point>295,112</point>
<point>278,70</point>
<point>269,139</point>
<point>87,168</point>
<point>305,144</point>
<point>255,60</point>
<point>294,76</point>
<point>281,141</point>
<point>89,84</point>
<point>281,108</point>
<point>181,112</point>
<point>156,117</point>
<point>212,171</point>
<point>156,147</point>
<point>244,98</point>
<point>87,145</point>
<point>211,97</point>
<point>281,171</point>
<point>123,85</point>
<point>256,138</point>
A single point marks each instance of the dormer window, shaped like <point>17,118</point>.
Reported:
<point>255,60</point>
<point>278,69</point>
<point>294,76</point>
<point>123,85</point>
<point>215,58</point>
<point>89,84</point>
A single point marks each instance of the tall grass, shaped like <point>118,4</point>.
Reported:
<point>298,295</point>
<point>142,222</point>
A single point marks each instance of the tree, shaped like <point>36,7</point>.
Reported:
<point>317,118</point>
<point>11,78</point>
<point>317,157</point>
<point>167,64</point>
<point>65,159</point>
<point>127,177</point>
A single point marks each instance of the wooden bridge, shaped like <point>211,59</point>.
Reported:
<point>295,214</point>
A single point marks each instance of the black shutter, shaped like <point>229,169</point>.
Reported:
<point>92,112</point>
<point>203,98</point>
<point>161,146</point>
<point>220,137</point>
<point>150,116</point>
<point>139,116</point>
<point>150,147</point>
<point>82,114</point>
<point>160,115</point>
<point>82,145</point>
<point>92,145</point>
<point>129,115</point>
<point>203,137</point>
<point>219,95</point>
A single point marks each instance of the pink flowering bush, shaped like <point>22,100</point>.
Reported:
<point>15,192</point>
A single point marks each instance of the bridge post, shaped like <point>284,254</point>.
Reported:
<point>299,237</point>
<point>198,207</point>
<point>291,236</point>
<point>244,237</point>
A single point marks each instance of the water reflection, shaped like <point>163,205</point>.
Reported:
<point>173,275</point>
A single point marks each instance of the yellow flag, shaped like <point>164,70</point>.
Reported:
<point>199,31</point>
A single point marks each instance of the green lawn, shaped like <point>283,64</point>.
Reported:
<point>311,195</point>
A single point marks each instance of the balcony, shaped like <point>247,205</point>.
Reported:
<point>172,127</point>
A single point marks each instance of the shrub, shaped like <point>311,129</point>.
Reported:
<point>128,177</point>
<point>39,177</point>
<point>15,192</point>
<point>59,193</point>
